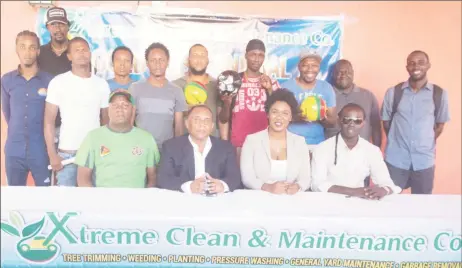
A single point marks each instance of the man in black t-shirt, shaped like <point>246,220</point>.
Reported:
<point>53,56</point>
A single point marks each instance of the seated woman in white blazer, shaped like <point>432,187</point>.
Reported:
<point>276,160</point>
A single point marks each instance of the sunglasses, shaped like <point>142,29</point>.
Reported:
<point>348,120</point>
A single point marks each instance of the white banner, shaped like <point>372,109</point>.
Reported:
<point>93,227</point>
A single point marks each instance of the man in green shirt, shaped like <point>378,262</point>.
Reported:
<point>119,154</point>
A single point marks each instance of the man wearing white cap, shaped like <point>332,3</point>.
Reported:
<point>308,85</point>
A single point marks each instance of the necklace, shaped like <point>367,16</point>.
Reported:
<point>58,51</point>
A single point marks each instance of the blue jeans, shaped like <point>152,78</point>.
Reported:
<point>68,175</point>
<point>17,169</point>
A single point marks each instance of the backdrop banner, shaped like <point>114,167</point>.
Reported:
<point>225,38</point>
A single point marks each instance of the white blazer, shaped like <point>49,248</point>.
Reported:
<point>256,160</point>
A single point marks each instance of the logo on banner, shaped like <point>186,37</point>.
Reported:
<point>33,246</point>
<point>321,39</point>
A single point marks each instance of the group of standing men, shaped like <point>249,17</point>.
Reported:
<point>55,82</point>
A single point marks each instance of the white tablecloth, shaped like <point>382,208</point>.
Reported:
<point>242,212</point>
<point>158,202</point>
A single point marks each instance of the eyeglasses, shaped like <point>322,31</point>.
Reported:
<point>348,120</point>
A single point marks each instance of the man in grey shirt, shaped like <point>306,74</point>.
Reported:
<point>159,103</point>
<point>347,92</point>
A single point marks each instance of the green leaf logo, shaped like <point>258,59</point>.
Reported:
<point>10,229</point>
<point>16,219</point>
<point>33,229</point>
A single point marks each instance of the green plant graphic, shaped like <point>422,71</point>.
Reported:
<point>31,247</point>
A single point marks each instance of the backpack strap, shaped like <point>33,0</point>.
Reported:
<point>437,96</point>
<point>397,95</point>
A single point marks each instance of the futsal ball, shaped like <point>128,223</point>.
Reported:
<point>229,82</point>
<point>195,93</point>
<point>313,108</point>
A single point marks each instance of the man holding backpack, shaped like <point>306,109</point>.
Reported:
<point>413,114</point>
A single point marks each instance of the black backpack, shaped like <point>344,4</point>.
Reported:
<point>398,94</point>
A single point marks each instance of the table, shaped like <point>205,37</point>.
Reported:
<point>101,227</point>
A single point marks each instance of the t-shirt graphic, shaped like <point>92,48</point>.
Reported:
<point>313,132</point>
<point>249,110</point>
<point>104,151</point>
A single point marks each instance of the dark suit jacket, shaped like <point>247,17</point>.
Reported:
<point>177,163</point>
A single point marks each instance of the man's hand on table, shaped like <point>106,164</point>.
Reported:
<point>198,185</point>
<point>215,185</point>
<point>375,192</point>
<point>358,192</point>
<point>370,193</point>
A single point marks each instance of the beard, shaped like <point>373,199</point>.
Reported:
<point>197,72</point>
<point>343,85</point>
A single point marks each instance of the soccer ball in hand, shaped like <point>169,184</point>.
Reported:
<point>229,82</point>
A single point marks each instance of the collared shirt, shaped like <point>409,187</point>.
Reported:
<point>23,105</point>
<point>199,164</point>
<point>411,139</point>
<point>364,98</point>
<point>52,63</point>
<point>114,85</point>
<point>353,166</point>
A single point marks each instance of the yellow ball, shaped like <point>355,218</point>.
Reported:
<point>195,93</point>
<point>313,108</point>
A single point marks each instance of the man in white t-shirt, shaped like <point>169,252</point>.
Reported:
<point>81,98</point>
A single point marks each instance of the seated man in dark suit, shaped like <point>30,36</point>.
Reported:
<point>198,163</point>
